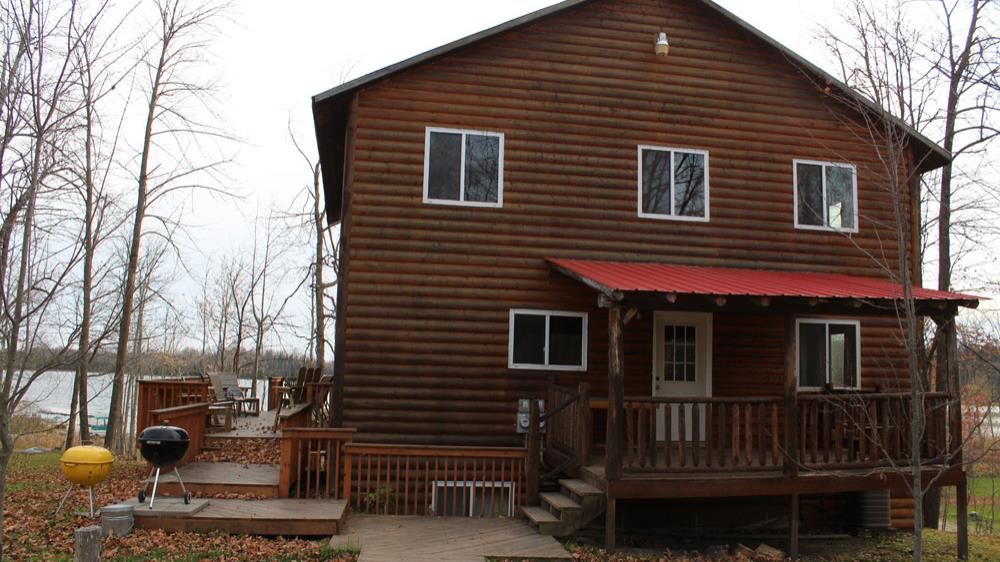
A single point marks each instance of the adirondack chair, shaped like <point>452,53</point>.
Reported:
<point>297,392</point>
<point>245,405</point>
<point>223,408</point>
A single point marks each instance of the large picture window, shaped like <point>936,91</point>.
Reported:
<point>829,354</point>
<point>673,184</point>
<point>542,339</point>
<point>463,168</point>
<point>826,196</point>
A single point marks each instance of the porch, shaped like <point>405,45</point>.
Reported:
<point>780,436</point>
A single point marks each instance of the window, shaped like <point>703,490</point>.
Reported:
<point>826,196</point>
<point>680,353</point>
<point>673,183</point>
<point>548,340</point>
<point>463,168</point>
<point>458,498</point>
<point>829,353</point>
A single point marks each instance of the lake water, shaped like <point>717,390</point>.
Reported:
<point>51,394</point>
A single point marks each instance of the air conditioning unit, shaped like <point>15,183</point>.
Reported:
<point>524,415</point>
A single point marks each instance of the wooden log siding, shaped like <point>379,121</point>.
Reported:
<point>161,394</point>
<point>313,463</point>
<point>429,287</point>
<point>400,479</point>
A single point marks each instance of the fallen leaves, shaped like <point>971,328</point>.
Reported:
<point>35,485</point>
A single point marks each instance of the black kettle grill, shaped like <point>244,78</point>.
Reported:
<point>163,446</point>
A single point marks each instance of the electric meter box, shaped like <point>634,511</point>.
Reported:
<point>524,415</point>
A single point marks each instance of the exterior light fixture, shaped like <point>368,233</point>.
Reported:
<point>662,45</point>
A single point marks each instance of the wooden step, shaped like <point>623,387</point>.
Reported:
<point>547,523</point>
<point>579,488</point>
<point>560,502</point>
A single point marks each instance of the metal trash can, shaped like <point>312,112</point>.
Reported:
<point>117,519</point>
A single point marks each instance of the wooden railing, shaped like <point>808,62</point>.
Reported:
<point>312,463</point>
<point>160,394</point>
<point>192,418</point>
<point>422,480</point>
<point>702,434</point>
<point>568,426</point>
<point>868,430</point>
<point>319,396</point>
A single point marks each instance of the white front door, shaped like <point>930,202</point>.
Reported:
<point>682,365</point>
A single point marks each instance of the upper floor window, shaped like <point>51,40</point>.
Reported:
<point>673,183</point>
<point>463,168</point>
<point>829,354</point>
<point>826,196</point>
<point>541,339</point>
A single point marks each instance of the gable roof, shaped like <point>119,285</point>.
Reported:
<point>328,104</point>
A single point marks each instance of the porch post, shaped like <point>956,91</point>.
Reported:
<point>616,389</point>
<point>791,402</point>
<point>793,527</point>
<point>615,429</point>
<point>533,464</point>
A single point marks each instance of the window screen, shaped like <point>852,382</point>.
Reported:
<point>825,196</point>
<point>673,183</point>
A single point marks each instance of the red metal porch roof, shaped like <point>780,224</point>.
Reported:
<point>716,281</point>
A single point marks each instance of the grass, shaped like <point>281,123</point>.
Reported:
<point>983,490</point>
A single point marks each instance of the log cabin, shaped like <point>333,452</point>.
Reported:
<point>642,248</point>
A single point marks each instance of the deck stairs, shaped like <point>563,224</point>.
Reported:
<point>563,512</point>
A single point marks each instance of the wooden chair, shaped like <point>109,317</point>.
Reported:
<point>220,412</point>
<point>245,405</point>
<point>297,392</point>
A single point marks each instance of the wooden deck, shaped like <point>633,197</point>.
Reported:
<point>383,538</point>
<point>212,478</point>
<point>305,518</point>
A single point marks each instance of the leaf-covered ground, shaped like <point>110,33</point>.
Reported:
<point>35,485</point>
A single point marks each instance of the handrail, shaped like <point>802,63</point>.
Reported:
<point>442,451</point>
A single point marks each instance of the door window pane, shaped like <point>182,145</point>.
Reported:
<point>810,194</point>
<point>529,339</point>
<point>680,353</point>
<point>444,179</point>
<point>482,168</point>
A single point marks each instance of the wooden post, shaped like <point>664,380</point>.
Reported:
<point>532,464</point>
<point>793,527</point>
<point>616,390</point>
<point>285,475</point>
<point>791,402</point>
<point>962,515</point>
<point>610,525</point>
<point>88,544</point>
<point>585,425</point>
<point>348,460</point>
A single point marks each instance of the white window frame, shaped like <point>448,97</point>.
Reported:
<point>548,314</point>
<point>461,193</point>
<point>798,351</point>
<point>473,485</point>
<point>672,216</point>
<point>826,211</point>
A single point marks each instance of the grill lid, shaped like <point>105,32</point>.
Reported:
<point>163,434</point>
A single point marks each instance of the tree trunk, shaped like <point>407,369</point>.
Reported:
<point>71,423</point>
<point>318,280</point>
<point>128,296</point>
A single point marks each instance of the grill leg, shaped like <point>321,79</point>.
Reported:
<point>63,501</point>
<point>155,482</point>
<point>91,494</point>
<point>179,481</point>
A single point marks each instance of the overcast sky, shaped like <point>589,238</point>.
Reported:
<point>273,56</point>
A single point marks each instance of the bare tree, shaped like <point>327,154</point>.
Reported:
<point>179,46</point>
